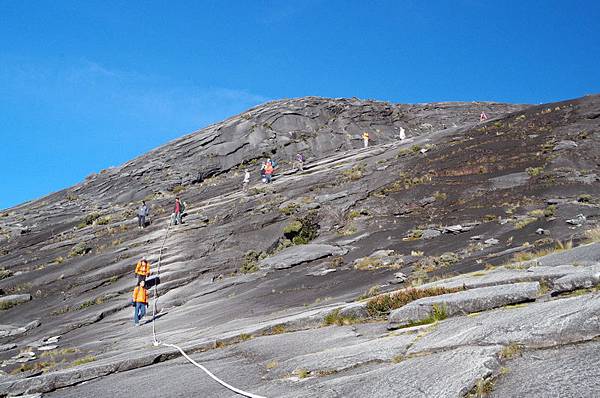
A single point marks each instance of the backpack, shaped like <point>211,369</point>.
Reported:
<point>273,163</point>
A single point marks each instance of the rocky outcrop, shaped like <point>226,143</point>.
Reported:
<point>300,254</point>
<point>469,301</point>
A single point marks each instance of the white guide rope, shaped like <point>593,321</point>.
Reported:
<point>156,342</point>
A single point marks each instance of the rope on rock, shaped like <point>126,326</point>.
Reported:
<point>156,342</point>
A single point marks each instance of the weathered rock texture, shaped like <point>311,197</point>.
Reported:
<point>455,197</point>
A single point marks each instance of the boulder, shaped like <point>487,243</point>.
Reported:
<point>465,302</point>
<point>14,299</point>
<point>585,279</point>
<point>430,233</point>
<point>565,144</point>
<point>300,254</point>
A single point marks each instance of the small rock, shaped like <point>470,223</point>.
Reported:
<point>382,253</point>
<point>48,348</point>
<point>7,347</point>
<point>491,241</point>
<point>321,272</point>
<point>426,201</point>
<point>565,144</point>
<point>577,221</point>
<point>430,233</point>
<point>453,229</point>
<point>542,231</point>
<point>476,237</point>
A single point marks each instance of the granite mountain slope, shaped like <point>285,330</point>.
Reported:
<point>456,197</point>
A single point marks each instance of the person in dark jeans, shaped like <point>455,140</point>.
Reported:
<point>143,212</point>
<point>140,302</point>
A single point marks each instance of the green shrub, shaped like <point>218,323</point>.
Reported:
<point>335,318</point>
<point>302,230</point>
<point>88,220</point>
<point>79,250</point>
<point>250,262</point>
<point>534,171</point>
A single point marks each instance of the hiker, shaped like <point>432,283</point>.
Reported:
<point>299,163</point>
<point>268,172</point>
<point>365,138</point>
<point>483,117</point>
<point>142,269</point>
<point>143,212</point>
<point>402,135</point>
<point>140,302</point>
<point>246,180</point>
<point>177,212</point>
<point>263,166</point>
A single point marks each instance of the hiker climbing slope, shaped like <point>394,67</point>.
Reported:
<point>143,212</point>
<point>177,212</point>
<point>365,137</point>
<point>142,269</point>
<point>140,302</point>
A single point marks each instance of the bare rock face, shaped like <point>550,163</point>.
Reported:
<point>283,311</point>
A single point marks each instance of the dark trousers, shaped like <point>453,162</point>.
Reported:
<point>140,278</point>
<point>141,221</point>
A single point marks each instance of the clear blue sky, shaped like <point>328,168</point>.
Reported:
<point>85,85</point>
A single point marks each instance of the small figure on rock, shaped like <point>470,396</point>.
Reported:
<point>483,117</point>
<point>268,172</point>
<point>402,134</point>
<point>246,180</point>
<point>365,138</point>
<point>142,269</point>
<point>177,212</point>
<point>140,302</point>
<point>299,163</point>
<point>143,212</point>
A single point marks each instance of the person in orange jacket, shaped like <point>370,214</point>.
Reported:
<point>140,302</point>
<point>142,269</point>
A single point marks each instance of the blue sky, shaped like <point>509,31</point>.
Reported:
<point>85,85</point>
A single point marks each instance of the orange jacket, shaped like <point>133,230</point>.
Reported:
<point>142,268</point>
<point>140,295</point>
<point>269,168</point>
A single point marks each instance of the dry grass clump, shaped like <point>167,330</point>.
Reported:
<point>593,235</point>
<point>384,303</point>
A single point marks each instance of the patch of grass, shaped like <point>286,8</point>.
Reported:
<point>383,304</point>
<point>250,262</point>
<point>59,260</point>
<point>79,250</point>
<point>534,171</point>
<point>536,213</point>
<point>440,195</point>
<point>84,360</point>
<point>352,214</point>
<point>278,329</point>
<point>584,198</point>
<point>91,302</point>
<point>334,318</point>
<point>439,313</point>
<point>524,222</point>
<point>368,263</point>
<point>483,388</point>
<point>511,351</point>
<point>36,366</point>
<point>490,218</point>
<point>245,336</point>
<point>61,352</point>
<point>177,189</point>
<point>19,288</point>
<point>5,273</point>
<point>591,235</point>
<point>289,209</point>
<point>103,220</point>
<point>415,148</point>
<point>302,230</point>
<point>61,310</point>
<point>371,292</point>
<point>355,173</point>
<point>88,220</point>
<point>302,373</point>
<point>549,211</point>
<point>398,358</point>
<point>272,364</point>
